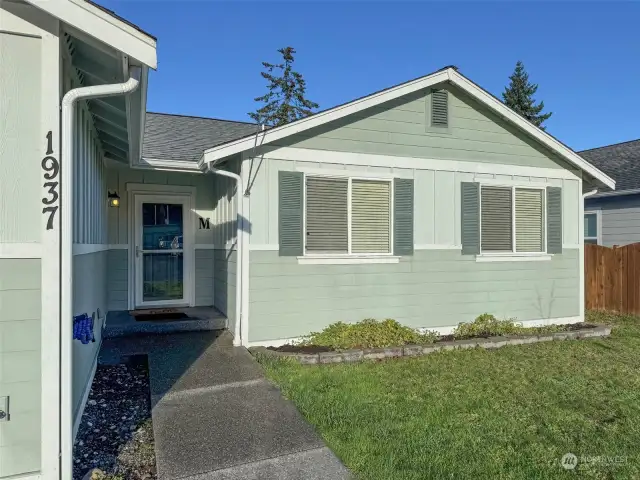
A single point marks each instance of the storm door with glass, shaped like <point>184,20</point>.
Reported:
<point>160,250</point>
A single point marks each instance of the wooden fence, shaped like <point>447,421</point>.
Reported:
<point>612,278</point>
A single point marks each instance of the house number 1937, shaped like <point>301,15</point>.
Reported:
<point>51,169</point>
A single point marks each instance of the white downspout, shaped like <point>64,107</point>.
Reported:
<point>66,251</point>
<point>238,332</point>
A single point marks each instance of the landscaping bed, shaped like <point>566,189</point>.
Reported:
<point>116,433</point>
<point>397,341</point>
<point>510,413</point>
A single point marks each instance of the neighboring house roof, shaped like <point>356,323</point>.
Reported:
<point>180,137</point>
<point>621,162</point>
<point>448,74</point>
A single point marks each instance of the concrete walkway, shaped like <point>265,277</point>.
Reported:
<point>216,417</point>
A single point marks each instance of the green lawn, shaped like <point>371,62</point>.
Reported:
<point>507,413</point>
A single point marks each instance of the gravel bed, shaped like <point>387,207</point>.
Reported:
<point>116,434</point>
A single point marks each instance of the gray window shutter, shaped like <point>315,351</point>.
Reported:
<point>470,218</point>
<point>403,216</point>
<point>290,194</point>
<point>554,220</point>
<point>439,108</point>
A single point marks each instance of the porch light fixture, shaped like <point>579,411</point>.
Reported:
<point>114,199</point>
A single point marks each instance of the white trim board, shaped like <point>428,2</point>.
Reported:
<point>390,161</point>
<point>104,27</point>
<point>443,330</point>
<point>160,189</point>
<point>450,75</point>
<point>167,165</point>
<point>21,250</point>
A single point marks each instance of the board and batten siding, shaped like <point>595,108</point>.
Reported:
<point>90,297</point>
<point>21,143</point>
<point>214,202</point>
<point>619,218</point>
<point>437,199</point>
<point>20,364</point>
<point>432,288</point>
<point>402,127</point>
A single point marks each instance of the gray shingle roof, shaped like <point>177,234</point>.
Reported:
<point>620,161</point>
<point>178,137</point>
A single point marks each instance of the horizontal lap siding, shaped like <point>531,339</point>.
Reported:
<point>20,370</point>
<point>431,289</point>
<point>402,128</point>
<point>204,277</point>
<point>620,219</point>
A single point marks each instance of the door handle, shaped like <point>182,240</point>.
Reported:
<point>138,250</point>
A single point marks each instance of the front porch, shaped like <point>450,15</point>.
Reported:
<point>168,320</point>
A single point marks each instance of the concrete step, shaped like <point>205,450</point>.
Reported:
<point>122,323</point>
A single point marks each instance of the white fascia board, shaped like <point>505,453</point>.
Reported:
<point>271,135</point>
<point>451,75</point>
<point>99,24</point>
<point>537,133</point>
<point>615,193</point>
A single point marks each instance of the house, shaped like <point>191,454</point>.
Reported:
<point>612,217</point>
<point>429,202</point>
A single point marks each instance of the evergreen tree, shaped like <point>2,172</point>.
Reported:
<point>519,97</point>
<point>285,101</point>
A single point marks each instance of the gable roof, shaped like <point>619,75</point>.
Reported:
<point>620,161</point>
<point>181,137</point>
<point>447,74</point>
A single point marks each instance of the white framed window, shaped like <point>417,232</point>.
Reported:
<point>347,216</point>
<point>512,220</point>
<point>592,227</point>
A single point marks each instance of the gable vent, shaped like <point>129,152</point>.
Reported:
<point>439,108</point>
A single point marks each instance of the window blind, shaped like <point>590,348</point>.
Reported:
<point>327,215</point>
<point>370,216</point>
<point>496,225</point>
<point>529,217</point>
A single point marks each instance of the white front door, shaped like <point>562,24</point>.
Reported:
<point>163,249</point>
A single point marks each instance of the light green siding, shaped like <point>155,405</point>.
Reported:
<point>20,371</point>
<point>204,277</point>
<point>401,128</point>
<point>214,201</point>
<point>224,278</point>
<point>89,296</point>
<point>433,288</point>
<point>437,198</point>
<point>22,145</point>
<point>117,279</point>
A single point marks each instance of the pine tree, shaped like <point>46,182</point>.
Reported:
<point>519,97</point>
<point>285,101</point>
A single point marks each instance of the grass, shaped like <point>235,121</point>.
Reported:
<point>510,413</point>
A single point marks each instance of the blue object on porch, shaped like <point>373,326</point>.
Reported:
<point>83,328</point>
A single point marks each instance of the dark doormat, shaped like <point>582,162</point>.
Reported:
<point>158,315</point>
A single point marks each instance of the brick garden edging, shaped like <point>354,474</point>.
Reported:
<point>419,350</point>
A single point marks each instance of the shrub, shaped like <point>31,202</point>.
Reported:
<point>487,325</point>
<point>368,333</point>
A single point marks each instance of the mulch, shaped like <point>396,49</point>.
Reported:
<point>444,338</point>
<point>116,433</point>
